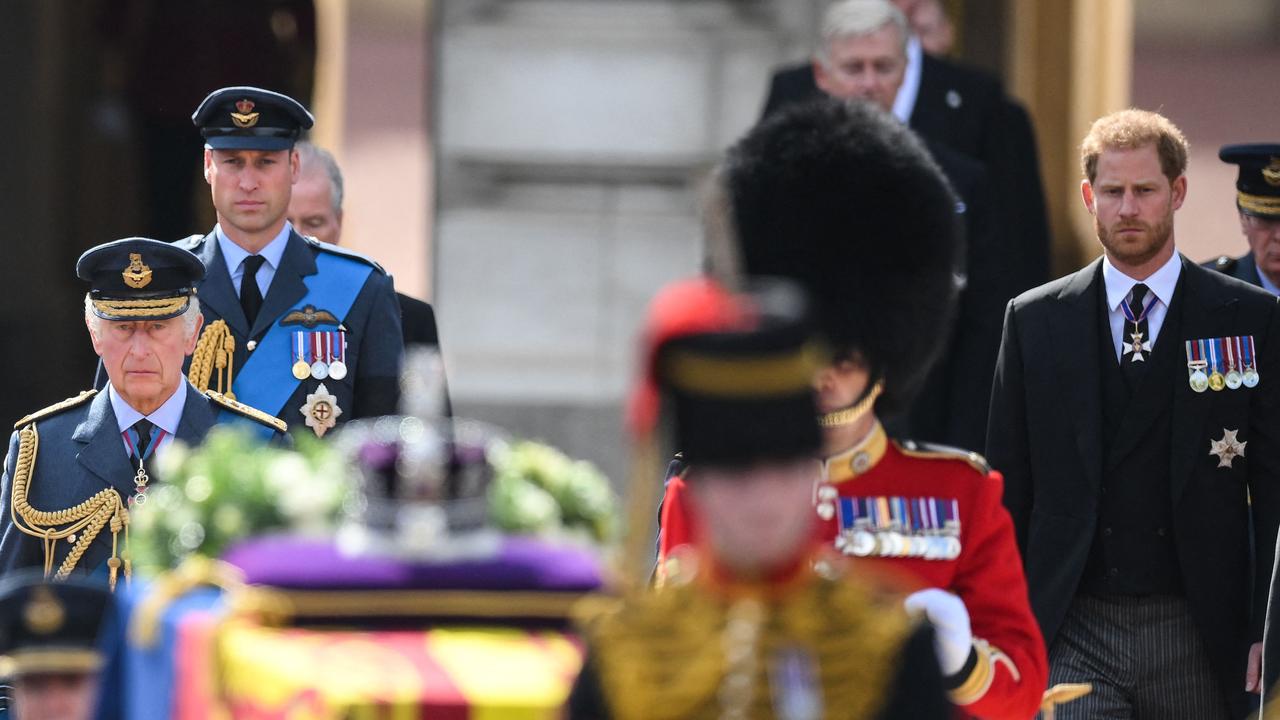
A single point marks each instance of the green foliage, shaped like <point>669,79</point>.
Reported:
<point>538,489</point>
<point>230,487</point>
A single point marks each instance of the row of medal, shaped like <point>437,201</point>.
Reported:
<point>320,354</point>
<point>1217,363</point>
<point>917,527</point>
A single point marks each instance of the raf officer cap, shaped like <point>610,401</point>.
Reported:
<point>139,279</point>
<point>1258,185</point>
<point>48,627</point>
<point>249,118</point>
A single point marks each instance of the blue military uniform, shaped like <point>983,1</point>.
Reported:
<point>50,629</point>
<point>370,328</point>
<point>78,460</point>
<point>1257,194</point>
<point>71,470</point>
<point>325,345</point>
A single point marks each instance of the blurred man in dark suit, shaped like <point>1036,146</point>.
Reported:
<point>967,110</point>
<point>315,209</point>
<point>864,57</point>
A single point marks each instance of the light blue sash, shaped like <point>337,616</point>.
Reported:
<point>266,381</point>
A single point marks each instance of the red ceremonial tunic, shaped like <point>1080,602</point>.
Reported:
<point>935,515</point>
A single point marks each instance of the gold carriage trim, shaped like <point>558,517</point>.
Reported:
<point>86,520</point>
<point>765,375</point>
<point>141,308</point>
<point>216,350</point>
<point>1258,203</point>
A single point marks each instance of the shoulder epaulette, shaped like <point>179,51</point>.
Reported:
<point>56,408</point>
<point>250,412</point>
<point>189,242</point>
<point>912,448</point>
<point>345,252</point>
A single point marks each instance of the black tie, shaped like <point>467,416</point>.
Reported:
<point>1136,338</point>
<point>143,428</point>
<point>250,295</point>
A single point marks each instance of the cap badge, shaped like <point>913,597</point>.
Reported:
<point>1271,173</point>
<point>137,275</point>
<point>246,117</point>
<point>43,613</point>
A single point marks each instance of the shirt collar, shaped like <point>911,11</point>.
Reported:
<point>1162,282</point>
<point>234,254</point>
<point>905,102</point>
<point>166,417</point>
<point>1266,282</point>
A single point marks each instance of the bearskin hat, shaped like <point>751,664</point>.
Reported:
<point>844,199</point>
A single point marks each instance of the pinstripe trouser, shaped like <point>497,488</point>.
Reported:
<point>1143,655</point>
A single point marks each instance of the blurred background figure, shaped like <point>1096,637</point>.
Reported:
<point>50,647</point>
<point>1258,203</point>
<point>315,209</point>
<point>930,23</point>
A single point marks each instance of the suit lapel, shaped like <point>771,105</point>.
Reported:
<point>103,454</point>
<point>1073,342</point>
<point>287,287</point>
<point>197,417</point>
<point>928,117</point>
<point>1207,313</point>
<point>216,291</point>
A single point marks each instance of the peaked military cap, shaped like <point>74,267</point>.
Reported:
<point>1258,184</point>
<point>844,199</point>
<point>250,118</point>
<point>739,387</point>
<point>48,627</point>
<point>139,279</point>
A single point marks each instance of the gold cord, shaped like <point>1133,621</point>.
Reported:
<point>851,415</point>
<point>214,351</point>
<point>88,518</point>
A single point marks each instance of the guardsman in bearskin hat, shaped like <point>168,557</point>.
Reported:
<point>51,646</point>
<point>74,469</point>
<point>848,203</point>
<point>1258,203</point>
<point>760,619</point>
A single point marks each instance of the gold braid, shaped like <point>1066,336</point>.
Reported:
<point>88,518</point>
<point>213,350</point>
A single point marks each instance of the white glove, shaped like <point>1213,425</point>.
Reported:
<point>952,638</point>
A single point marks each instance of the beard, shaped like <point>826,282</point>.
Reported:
<point>1138,248</point>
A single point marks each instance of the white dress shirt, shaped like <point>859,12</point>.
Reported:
<point>1161,283</point>
<point>235,255</point>
<point>905,102</point>
<point>167,417</point>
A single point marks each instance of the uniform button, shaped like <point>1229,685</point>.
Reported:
<point>1160,532</point>
<point>1106,532</point>
<point>1113,572</point>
